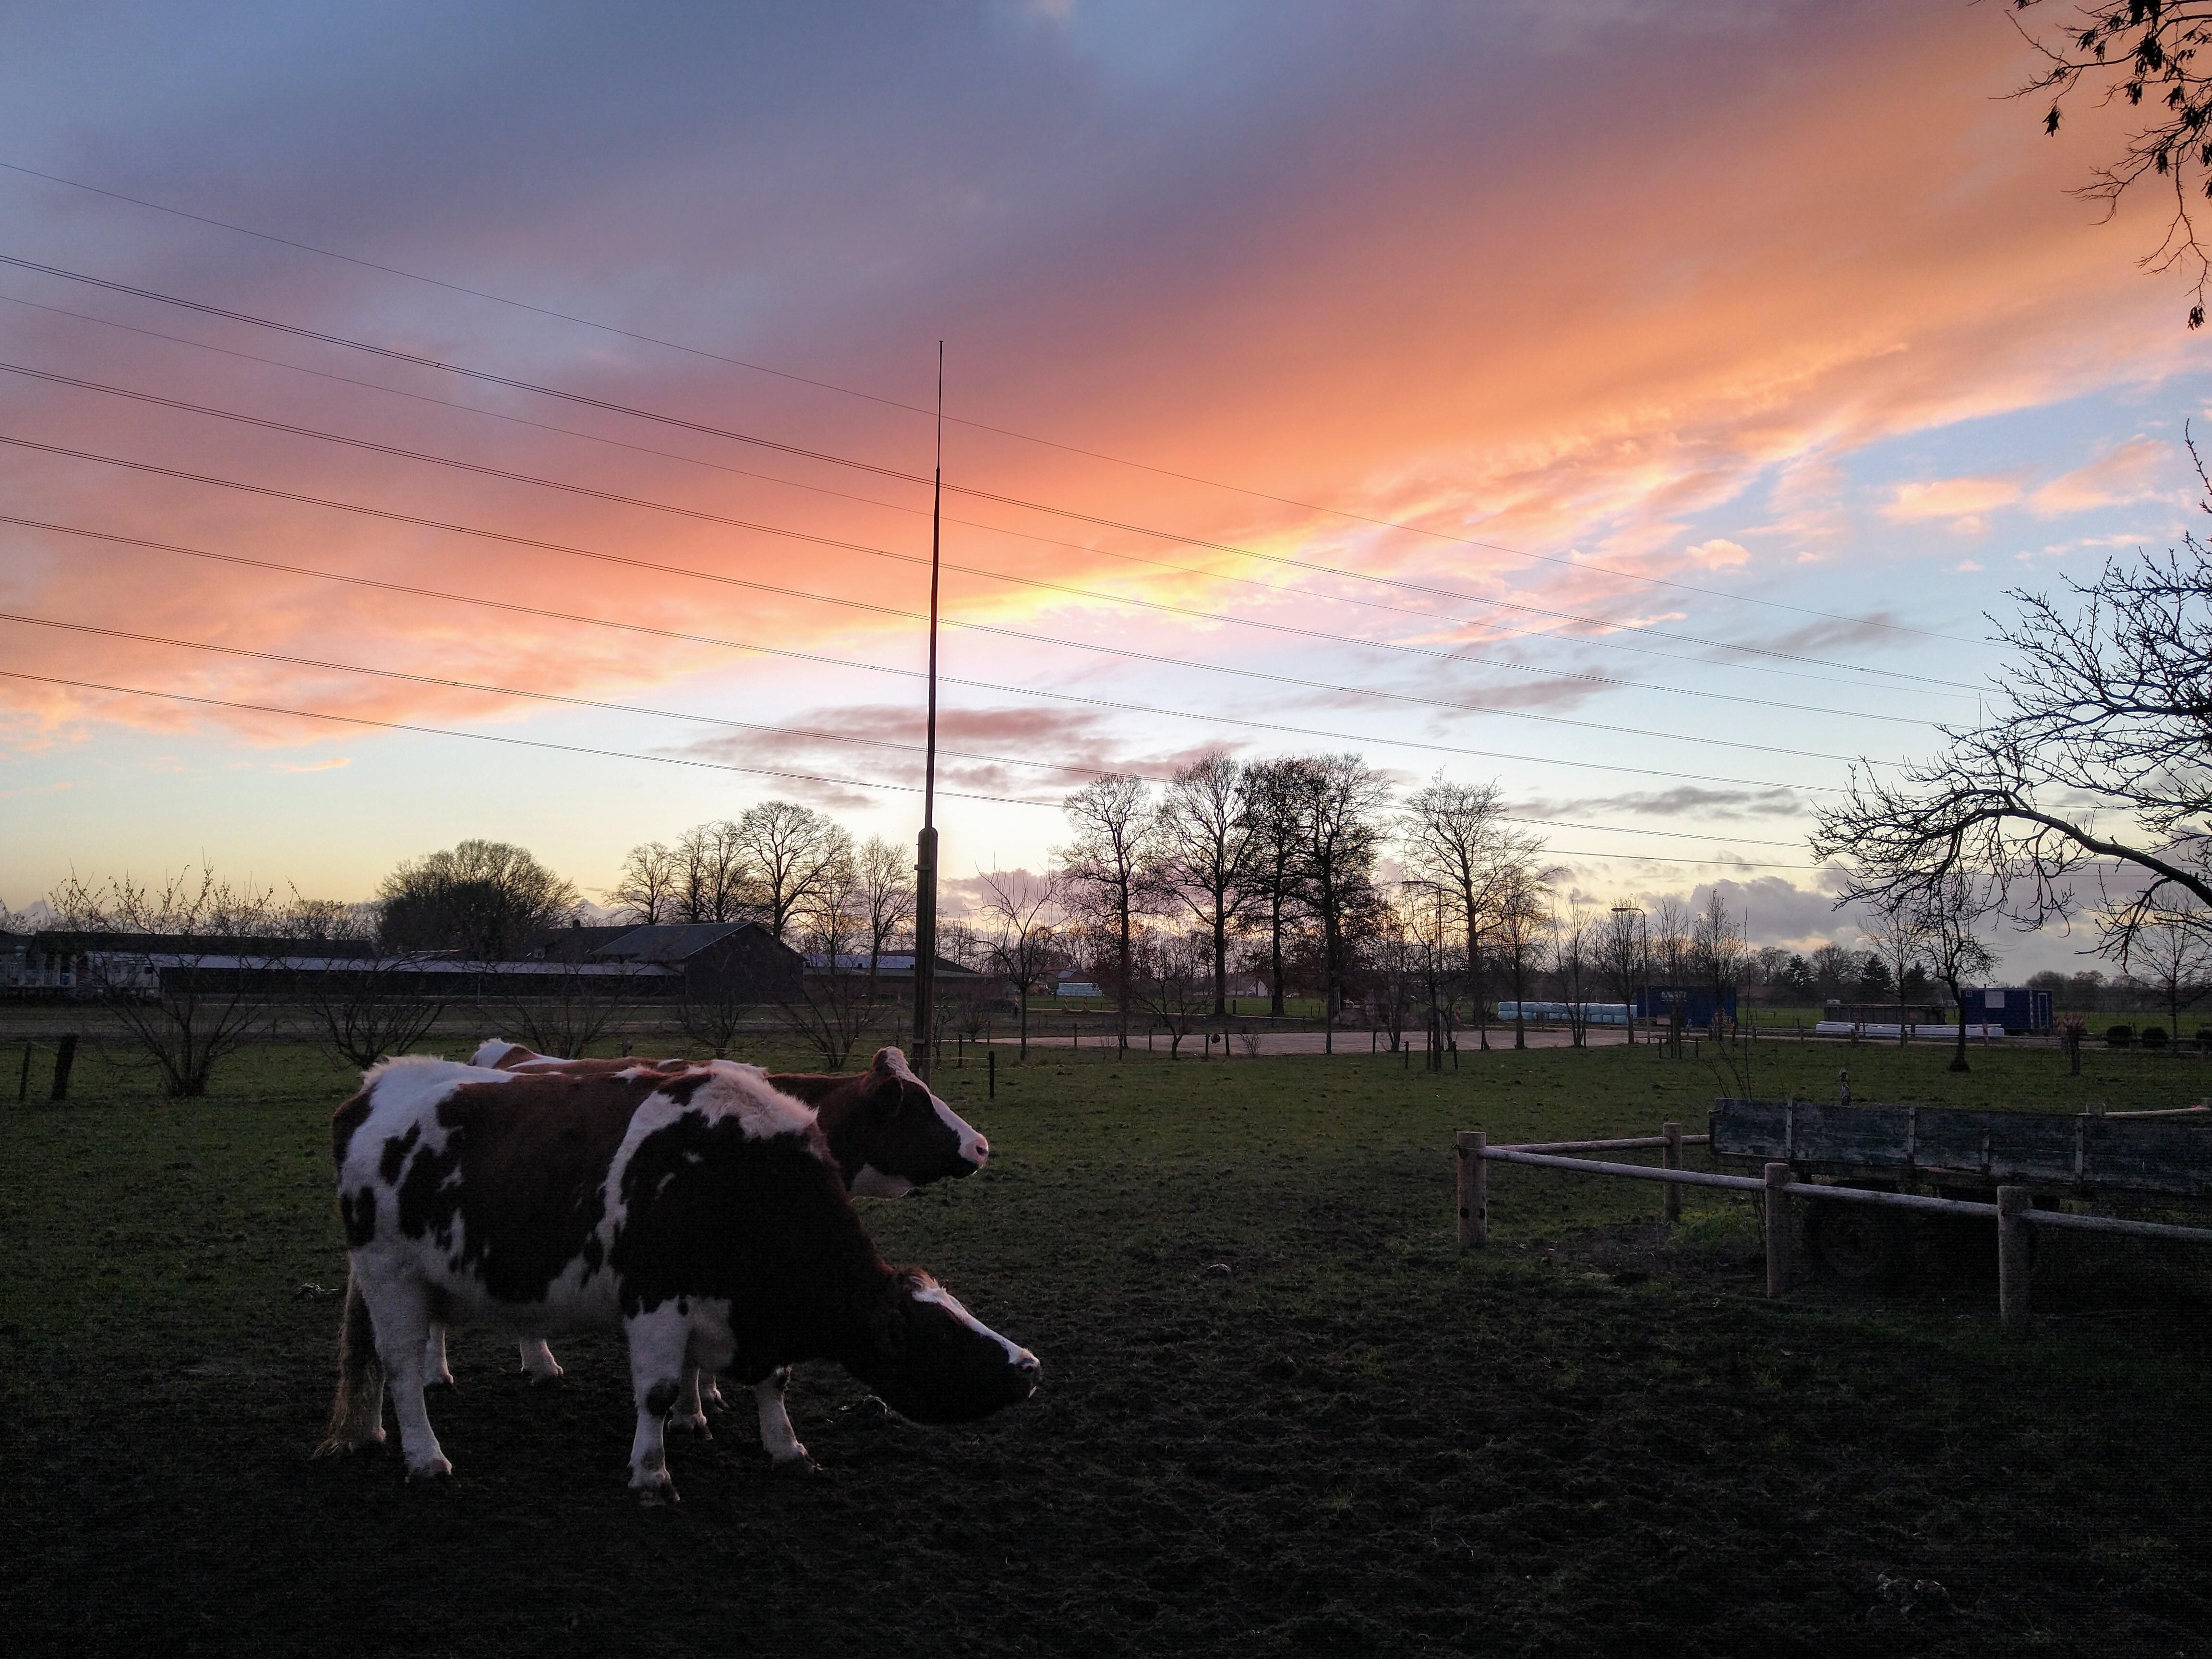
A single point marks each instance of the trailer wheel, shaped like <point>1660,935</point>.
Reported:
<point>1860,1244</point>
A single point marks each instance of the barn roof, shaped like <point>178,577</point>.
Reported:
<point>671,941</point>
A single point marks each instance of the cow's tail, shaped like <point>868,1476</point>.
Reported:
<point>357,1413</point>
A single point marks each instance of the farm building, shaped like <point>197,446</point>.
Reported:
<point>741,960</point>
<point>895,969</point>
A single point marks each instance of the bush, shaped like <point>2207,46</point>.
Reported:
<point>2153,1036</point>
<point>2118,1036</point>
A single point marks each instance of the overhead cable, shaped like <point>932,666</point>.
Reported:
<point>444,683</point>
<point>999,629</point>
<point>980,426</point>
<point>1162,566</point>
<point>713,766</point>
<point>586,400</point>
<point>676,635</point>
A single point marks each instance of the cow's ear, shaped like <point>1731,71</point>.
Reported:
<point>886,1098</point>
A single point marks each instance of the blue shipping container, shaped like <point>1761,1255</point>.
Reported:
<point>1658,1002</point>
<point>2016,1007</point>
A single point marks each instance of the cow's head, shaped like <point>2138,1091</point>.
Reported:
<point>935,1362</point>
<point>907,1135</point>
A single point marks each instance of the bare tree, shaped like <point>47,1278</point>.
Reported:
<point>838,1003</point>
<point>180,985</point>
<point>1275,879</point>
<point>2130,50</point>
<point>1521,917</point>
<point>564,1010</point>
<point>1207,850</point>
<point>1717,949</point>
<point>713,876</point>
<point>1172,982</point>
<point>375,1007</point>
<point>1623,953</point>
<point>712,1012</point>
<point>650,889</point>
<point>2172,952</point>
<point>1019,916</point>
<point>1107,867</point>
<point>2106,712</point>
<point>883,890</point>
<point>1455,835</point>
<point>794,854</point>
<point>1339,813</point>
<point>1574,964</point>
<point>1949,947</point>
<point>1394,953</point>
<point>1898,937</point>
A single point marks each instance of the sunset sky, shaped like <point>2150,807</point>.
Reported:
<point>1637,404</point>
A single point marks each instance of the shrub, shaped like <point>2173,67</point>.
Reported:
<point>2153,1036</point>
<point>2118,1036</point>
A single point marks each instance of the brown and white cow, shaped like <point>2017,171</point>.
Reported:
<point>699,1214</point>
<point>888,1131</point>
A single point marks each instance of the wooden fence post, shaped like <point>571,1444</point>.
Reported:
<point>993,1067</point>
<point>1473,1186</point>
<point>64,1062</point>
<point>1670,1158</point>
<point>2013,1261</point>
<point>23,1084</point>
<point>1777,1229</point>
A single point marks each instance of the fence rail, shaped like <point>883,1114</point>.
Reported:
<point>2014,1211</point>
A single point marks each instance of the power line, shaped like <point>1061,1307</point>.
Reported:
<point>799,593</point>
<point>711,766</point>
<point>1186,611</point>
<point>586,400</point>
<point>1490,625</point>
<point>444,682</point>
<point>678,636</point>
<point>980,425</point>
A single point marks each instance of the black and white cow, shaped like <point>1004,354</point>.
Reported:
<point>888,1131</point>
<point>699,1214</point>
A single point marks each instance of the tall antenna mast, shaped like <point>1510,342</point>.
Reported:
<point>925,864</point>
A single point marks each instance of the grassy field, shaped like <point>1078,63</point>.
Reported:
<point>1589,1439</point>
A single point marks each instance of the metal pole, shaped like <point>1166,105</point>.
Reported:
<point>925,863</point>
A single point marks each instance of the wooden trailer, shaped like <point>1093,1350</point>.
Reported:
<point>1958,1155</point>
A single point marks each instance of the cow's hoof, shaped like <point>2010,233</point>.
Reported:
<point>443,1380</point>
<point>799,1463</point>
<point>437,1470</point>
<point>711,1395</point>
<point>689,1425</point>
<point>553,1376</point>
<point>656,1490</point>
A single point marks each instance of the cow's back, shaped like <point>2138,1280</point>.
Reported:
<point>504,1175</point>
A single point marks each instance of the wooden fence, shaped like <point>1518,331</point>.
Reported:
<point>1779,1190</point>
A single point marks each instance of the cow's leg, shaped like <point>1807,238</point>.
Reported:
<point>537,1359</point>
<point>658,1342</point>
<point>690,1413</point>
<point>710,1388</point>
<point>401,1313</point>
<point>778,1437</point>
<point>436,1374</point>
